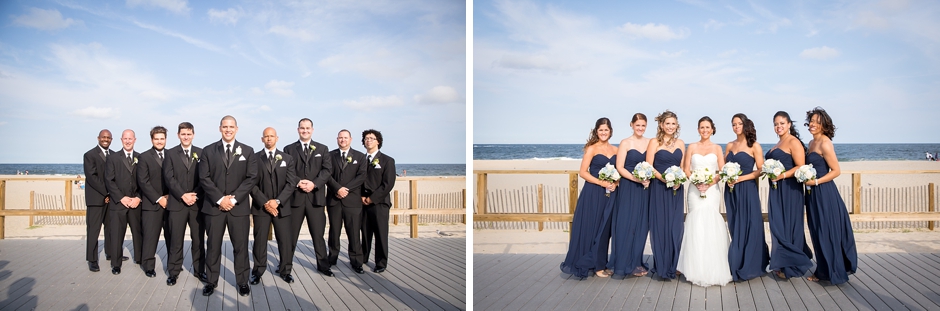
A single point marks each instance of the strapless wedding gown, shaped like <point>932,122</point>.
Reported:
<point>703,258</point>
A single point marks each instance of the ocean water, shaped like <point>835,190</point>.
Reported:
<point>845,152</point>
<point>76,169</point>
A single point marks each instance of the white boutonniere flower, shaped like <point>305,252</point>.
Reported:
<point>348,159</point>
<point>238,150</point>
<point>277,157</point>
<point>312,147</point>
<point>375,162</point>
<point>135,160</point>
<point>195,157</point>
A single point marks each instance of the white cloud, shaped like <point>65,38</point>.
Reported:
<point>256,91</point>
<point>824,52</point>
<point>728,53</point>
<point>672,55</point>
<point>261,108</point>
<point>44,19</point>
<point>370,102</point>
<point>652,31</point>
<point>155,95</point>
<point>281,88</point>
<point>95,113</point>
<point>541,63</point>
<point>713,25</point>
<point>300,34</point>
<point>176,6</point>
<point>188,39</point>
<point>438,95</point>
<point>229,16</point>
<point>872,20</point>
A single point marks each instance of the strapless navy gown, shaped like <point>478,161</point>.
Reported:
<point>830,228</point>
<point>667,216</point>
<point>590,228</point>
<point>789,252</point>
<point>747,256</point>
<point>630,225</point>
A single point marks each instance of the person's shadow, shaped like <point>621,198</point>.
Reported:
<point>18,295</point>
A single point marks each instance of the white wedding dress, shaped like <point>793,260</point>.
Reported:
<point>703,258</point>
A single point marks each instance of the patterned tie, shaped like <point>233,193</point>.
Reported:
<point>160,154</point>
<point>228,152</point>
<point>187,154</point>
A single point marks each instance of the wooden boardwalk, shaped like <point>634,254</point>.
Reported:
<point>423,274</point>
<point>888,281</point>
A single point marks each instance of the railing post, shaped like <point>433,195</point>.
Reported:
<point>414,205</point>
<point>541,205</point>
<point>481,193</point>
<point>32,194</point>
<point>931,203</point>
<point>3,202</point>
<point>68,195</point>
<point>395,205</point>
<point>572,197</point>
<point>856,193</point>
<point>463,202</point>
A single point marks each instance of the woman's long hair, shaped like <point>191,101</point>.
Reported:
<point>592,139</point>
<point>825,121</point>
<point>750,133</point>
<point>793,130</point>
<point>660,133</point>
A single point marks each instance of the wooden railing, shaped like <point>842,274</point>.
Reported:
<point>412,211</point>
<point>482,214</point>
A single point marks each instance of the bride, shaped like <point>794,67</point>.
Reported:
<point>703,258</point>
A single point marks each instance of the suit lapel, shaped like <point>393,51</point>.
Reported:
<point>100,153</point>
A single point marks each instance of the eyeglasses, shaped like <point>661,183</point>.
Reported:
<point>369,139</point>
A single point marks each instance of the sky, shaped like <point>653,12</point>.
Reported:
<point>544,71</point>
<point>71,68</point>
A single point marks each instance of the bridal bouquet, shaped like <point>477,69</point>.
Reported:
<point>806,173</point>
<point>609,174</point>
<point>730,172</point>
<point>701,176</point>
<point>771,169</point>
<point>674,176</point>
<point>643,171</point>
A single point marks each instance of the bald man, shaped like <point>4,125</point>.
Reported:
<point>276,180</point>
<point>121,181</point>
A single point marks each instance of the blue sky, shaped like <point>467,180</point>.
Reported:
<point>544,71</point>
<point>71,68</point>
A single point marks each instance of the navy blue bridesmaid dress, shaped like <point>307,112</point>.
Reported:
<point>666,217</point>
<point>630,225</point>
<point>747,255</point>
<point>789,252</point>
<point>590,228</point>
<point>830,228</point>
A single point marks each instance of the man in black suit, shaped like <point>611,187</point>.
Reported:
<point>276,182</point>
<point>313,168</point>
<point>227,172</point>
<point>153,198</point>
<point>345,200</point>
<point>380,179</point>
<point>96,200</point>
<point>121,180</point>
<point>179,174</point>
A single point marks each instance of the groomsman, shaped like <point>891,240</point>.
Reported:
<point>154,198</point>
<point>227,172</point>
<point>276,182</point>
<point>380,179</point>
<point>313,168</point>
<point>344,199</point>
<point>121,180</point>
<point>96,200</point>
<point>179,173</point>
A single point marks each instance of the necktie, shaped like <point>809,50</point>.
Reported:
<point>160,154</point>
<point>306,150</point>
<point>370,159</point>
<point>271,158</point>
<point>187,153</point>
<point>129,161</point>
<point>344,159</point>
<point>228,152</point>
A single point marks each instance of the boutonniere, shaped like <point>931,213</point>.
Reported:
<point>312,147</point>
<point>277,157</point>
<point>135,160</point>
<point>195,156</point>
<point>238,150</point>
<point>375,162</point>
<point>348,159</point>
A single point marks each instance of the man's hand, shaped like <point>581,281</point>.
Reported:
<point>107,200</point>
<point>271,207</point>
<point>364,201</point>
<point>135,202</point>
<point>342,192</point>
<point>306,185</point>
<point>189,198</point>
<point>162,201</point>
<point>226,204</point>
<point>367,201</point>
<point>126,201</point>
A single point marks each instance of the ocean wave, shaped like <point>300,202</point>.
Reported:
<point>551,159</point>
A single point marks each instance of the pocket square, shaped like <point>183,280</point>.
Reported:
<point>355,162</point>
<point>378,166</point>
<point>242,158</point>
<point>283,164</point>
<point>317,156</point>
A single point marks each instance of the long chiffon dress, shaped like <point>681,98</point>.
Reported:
<point>747,256</point>
<point>590,228</point>
<point>666,217</point>
<point>788,252</point>
<point>630,225</point>
<point>830,228</point>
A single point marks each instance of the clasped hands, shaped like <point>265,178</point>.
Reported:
<point>189,198</point>
<point>227,203</point>
<point>342,192</point>
<point>271,207</point>
<point>366,201</point>
<point>130,202</point>
<point>306,185</point>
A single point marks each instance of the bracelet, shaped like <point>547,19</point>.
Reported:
<point>816,181</point>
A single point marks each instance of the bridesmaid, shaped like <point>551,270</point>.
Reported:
<point>666,209</point>
<point>748,256</point>
<point>631,210</point>
<point>789,254</point>
<point>590,229</point>
<point>829,224</point>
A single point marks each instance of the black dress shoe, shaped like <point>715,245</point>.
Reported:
<point>170,281</point>
<point>326,272</point>
<point>243,290</point>
<point>287,278</point>
<point>115,270</point>
<point>254,279</point>
<point>378,270</point>
<point>202,277</point>
<point>150,273</point>
<point>208,290</point>
<point>93,266</point>
<point>359,270</point>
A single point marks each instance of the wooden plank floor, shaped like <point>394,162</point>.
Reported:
<point>890,281</point>
<point>423,274</point>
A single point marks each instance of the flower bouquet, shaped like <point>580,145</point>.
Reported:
<point>730,173</point>
<point>771,169</point>
<point>643,171</point>
<point>609,174</point>
<point>702,176</point>
<point>674,176</point>
<point>806,173</point>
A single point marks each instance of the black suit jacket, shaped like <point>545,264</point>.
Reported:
<point>380,179</point>
<point>315,167</point>
<point>121,178</point>
<point>275,183</point>
<point>219,178</point>
<point>179,176</point>
<point>350,177</point>
<point>150,179</point>
<point>94,163</point>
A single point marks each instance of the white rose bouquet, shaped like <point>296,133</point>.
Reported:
<point>609,174</point>
<point>771,169</point>
<point>730,173</point>
<point>674,176</point>
<point>702,176</point>
<point>643,171</point>
<point>806,173</point>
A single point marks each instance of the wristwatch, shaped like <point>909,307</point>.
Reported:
<point>277,201</point>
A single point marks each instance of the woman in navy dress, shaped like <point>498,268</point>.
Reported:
<point>666,203</point>
<point>789,254</point>
<point>829,226</point>
<point>747,256</point>
<point>590,228</point>
<point>630,225</point>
